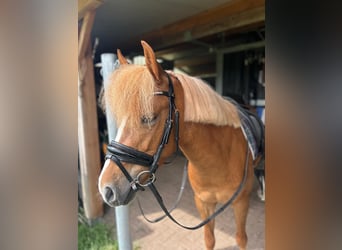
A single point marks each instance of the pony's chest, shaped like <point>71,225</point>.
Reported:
<point>210,191</point>
<point>212,196</point>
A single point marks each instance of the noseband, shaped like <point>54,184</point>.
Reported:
<point>119,152</point>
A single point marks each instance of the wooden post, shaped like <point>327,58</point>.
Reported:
<point>88,139</point>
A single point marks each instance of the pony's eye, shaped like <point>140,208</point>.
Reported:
<point>148,119</point>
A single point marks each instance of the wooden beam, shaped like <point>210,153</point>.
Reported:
<point>87,5</point>
<point>231,16</point>
<point>196,60</point>
<point>200,71</point>
<point>178,53</point>
<point>84,38</point>
<point>243,47</point>
<point>233,22</point>
<point>172,50</point>
<point>88,139</point>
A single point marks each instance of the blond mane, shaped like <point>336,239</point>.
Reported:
<point>204,105</point>
<point>130,95</point>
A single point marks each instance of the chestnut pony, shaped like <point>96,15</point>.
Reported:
<point>209,132</point>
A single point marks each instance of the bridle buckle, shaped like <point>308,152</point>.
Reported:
<point>151,179</point>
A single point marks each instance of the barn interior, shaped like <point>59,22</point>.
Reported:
<point>222,42</point>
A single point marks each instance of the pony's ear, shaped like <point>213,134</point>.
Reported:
<point>121,58</point>
<point>151,63</point>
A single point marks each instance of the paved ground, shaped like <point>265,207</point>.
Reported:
<point>165,235</point>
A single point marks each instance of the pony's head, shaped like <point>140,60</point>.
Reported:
<point>140,115</point>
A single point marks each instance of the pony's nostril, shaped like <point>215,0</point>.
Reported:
<point>109,194</point>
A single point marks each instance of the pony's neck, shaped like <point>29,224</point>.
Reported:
<point>204,144</point>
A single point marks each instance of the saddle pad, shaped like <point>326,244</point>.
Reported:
<point>252,128</point>
<point>247,129</point>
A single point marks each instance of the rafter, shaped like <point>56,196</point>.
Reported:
<point>87,5</point>
<point>234,15</point>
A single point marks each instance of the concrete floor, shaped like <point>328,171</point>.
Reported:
<point>165,235</point>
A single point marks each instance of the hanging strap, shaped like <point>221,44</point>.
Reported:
<point>185,171</point>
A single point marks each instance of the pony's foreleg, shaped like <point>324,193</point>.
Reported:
<point>206,209</point>
<point>240,211</point>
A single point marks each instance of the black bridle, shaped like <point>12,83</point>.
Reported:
<point>119,152</point>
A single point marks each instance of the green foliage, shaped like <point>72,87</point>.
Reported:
<point>96,237</point>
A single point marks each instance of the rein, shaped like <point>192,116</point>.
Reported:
<point>185,171</point>
<point>212,216</point>
<point>119,153</point>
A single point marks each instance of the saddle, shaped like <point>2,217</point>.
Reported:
<point>254,130</point>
